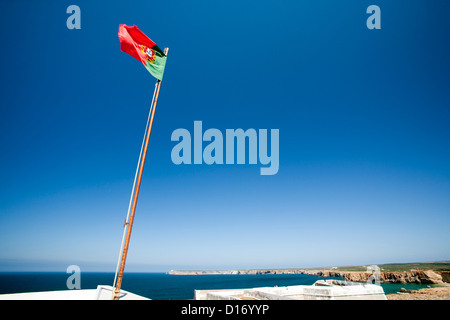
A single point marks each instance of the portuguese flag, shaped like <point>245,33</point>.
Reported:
<point>134,42</point>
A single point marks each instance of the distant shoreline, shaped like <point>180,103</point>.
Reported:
<point>418,273</point>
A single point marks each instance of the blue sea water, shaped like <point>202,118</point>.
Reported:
<point>160,286</point>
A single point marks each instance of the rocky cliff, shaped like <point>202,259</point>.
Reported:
<point>416,276</point>
<point>445,276</point>
<point>413,276</point>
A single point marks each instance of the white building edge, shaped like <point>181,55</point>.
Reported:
<point>320,290</point>
<point>101,293</point>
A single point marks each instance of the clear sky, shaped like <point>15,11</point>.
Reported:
<point>363,117</point>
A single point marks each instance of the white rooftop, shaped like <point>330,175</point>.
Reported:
<point>320,290</point>
<point>101,293</point>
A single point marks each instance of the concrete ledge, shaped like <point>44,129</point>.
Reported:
<point>321,290</point>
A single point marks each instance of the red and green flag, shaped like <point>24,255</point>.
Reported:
<point>134,42</point>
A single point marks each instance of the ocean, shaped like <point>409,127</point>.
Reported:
<point>161,286</point>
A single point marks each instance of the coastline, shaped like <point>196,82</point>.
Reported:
<point>412,276</point>
<point>401,273</point>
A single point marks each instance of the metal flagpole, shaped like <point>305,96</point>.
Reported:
<point>136,192</point>
<point>133,189</point>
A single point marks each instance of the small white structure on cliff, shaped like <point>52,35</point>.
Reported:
<point>320,290</point>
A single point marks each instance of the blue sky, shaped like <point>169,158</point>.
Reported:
<point>363,117</point>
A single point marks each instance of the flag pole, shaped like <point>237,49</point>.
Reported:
<point>136,192</point>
